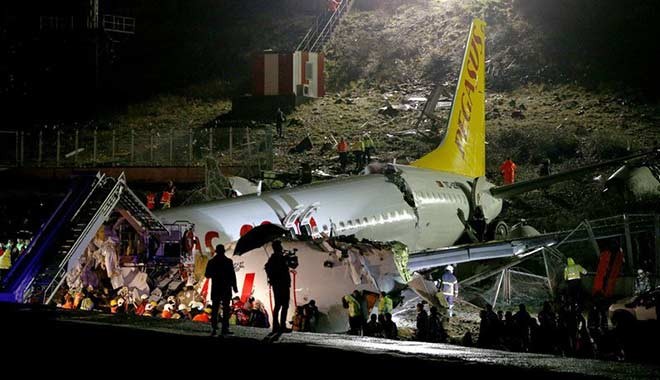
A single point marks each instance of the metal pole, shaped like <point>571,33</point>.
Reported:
<point>171,145</point>
<point>22,148</point>
<point>41,144</point>
<point>269,147</point>
<point>75,155</point>
<point>497,291</point>
<point>231,144</point>
<point>592,238</point>
<point>629,248</point>
<point>247,136</point>
<point>95,143</point>
<point>151,146</point>
<point>132,146</point>
<point>547,272</point>
<point>508,286</point>
<point>113,146</point>
<point>211,141</point>
<point>190,147</point>
<point>57,162</point>
<point>656,224</point>
<point>16,144</point>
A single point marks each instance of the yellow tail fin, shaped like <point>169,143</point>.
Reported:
<point>463,149</point>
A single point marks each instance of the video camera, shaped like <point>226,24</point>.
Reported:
<point>291,258</point>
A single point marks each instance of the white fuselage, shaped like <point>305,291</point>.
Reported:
<point>370,207</point>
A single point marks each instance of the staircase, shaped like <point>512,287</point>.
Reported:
<point>22,273</point>
<point>81,228</point>
<point>41,270</point>
<point>321,31</point>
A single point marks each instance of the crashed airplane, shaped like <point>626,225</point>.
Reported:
<point>417,208</point>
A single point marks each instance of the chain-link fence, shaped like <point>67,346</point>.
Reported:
<point>235,144</point>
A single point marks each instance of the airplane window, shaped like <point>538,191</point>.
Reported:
<point>350,223</point>
<point>325,227</point>
<point>365,220</point>
<point>357,222</point>
<point>342,225</point>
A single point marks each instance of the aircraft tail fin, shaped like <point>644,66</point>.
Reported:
<point>463,149</point>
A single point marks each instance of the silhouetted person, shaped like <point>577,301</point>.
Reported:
<point>422,324</point>
<point>544,170</point>
<point>277,271</point>
<point>220,269</point>
<point>279,119</point>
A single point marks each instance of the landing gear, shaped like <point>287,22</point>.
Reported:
<point>498,230</point>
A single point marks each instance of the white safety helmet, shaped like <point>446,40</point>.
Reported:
<point>168,307</point>
<point>640,271</point>
<point>450,268</point>
<point>120,302</point>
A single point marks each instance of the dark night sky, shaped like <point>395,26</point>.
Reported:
<point>185,42</point>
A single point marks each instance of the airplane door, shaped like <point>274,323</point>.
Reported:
<point>307,223</point>
<point>290,219</point>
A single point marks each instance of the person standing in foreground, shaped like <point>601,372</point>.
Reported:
<point>277,271</point>
<point>220,269</point>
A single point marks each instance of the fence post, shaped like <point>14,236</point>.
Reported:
<point>211,141</point>
<point>41,143</point>
<point>190,148</point>
<point>269,147</point>
<point>16,144</point>
<point>113,147</point>
<point>75,150</point>
<point>171,145</point>
<point>22,148</point>
<point>132,146</point>
<point>247,137</point>
<point>57,160</point>
<point>231,144</point>
<point>151,146</point>
<point>95,142</point>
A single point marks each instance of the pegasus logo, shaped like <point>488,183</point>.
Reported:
<point>467,91</point>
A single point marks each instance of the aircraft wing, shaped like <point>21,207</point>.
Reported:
<point>508,191</point>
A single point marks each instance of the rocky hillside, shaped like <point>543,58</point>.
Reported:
<point>565,81</point>
<point>539,105</point>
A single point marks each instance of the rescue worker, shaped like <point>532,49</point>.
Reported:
<point>358,152</point>
<point>279,119</point>
<point>642,282</point>
<point>449,288</point>
<point>352,303</point>
<point>203,317</point>
<point>151,200</point>
<point>508,170</point>
<point>5,260</point>
<point>166,199</point>
<point>342,149</point>
<point>189,240</point>
<point>369,147</point>
<point>220,269</point>
<point>572,274</point>
<point>422,323</point>
<point>168,194</point>
<point>385,304</point>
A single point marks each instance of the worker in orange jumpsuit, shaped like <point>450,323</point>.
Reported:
<point>508,170</point>
<point>151,201</point>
